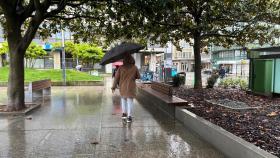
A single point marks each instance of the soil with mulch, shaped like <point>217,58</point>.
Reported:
<point>260,126</point>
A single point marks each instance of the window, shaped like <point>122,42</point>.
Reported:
<point>175,55</point>
<point>231,53</point>
<point>237,53</point>
<point>220,54</point>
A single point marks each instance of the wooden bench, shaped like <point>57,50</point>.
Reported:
<point>38,89</point>
<point>162,87</point>
<point>160,95</point>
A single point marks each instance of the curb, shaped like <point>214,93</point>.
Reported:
<point>79,83</point>
<point>68,83</point>
<point>156,102</point>
<point>229,144</point>
<point>25,112</point>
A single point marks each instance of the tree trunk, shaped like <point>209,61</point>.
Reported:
<point>16,81</point>
<point>197,62</point>
<point>18,43</point>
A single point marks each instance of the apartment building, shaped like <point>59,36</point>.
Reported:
<point>234,60</point>
<point>183,59</point>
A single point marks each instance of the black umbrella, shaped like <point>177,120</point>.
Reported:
<point>118,52</point>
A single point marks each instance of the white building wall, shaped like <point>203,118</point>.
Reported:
<point>137,57</point>
<point>57,60</point>
<point>183,59</point>
<point>109,68</point>
<point>153,63</point>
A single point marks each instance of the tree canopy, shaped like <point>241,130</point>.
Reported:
<point>83,51</point>
<point>200,23</point>
<point>88,52</point>
<point>33,52</point>
<point>4,48</point>
<point>70,46</point>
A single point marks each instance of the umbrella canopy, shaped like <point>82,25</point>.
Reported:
<point>117,52</point>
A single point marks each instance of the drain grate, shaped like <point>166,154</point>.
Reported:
<point>236,105</point>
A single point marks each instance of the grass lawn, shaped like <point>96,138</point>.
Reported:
<point>54,75</point>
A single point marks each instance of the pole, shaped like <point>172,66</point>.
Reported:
<point>63,58</point>
<point>241,65</point>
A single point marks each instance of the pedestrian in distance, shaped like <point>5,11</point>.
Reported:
<point>126,78</point>
<point>79,67</point>
<point>222,72</point>
<point>115,71</point>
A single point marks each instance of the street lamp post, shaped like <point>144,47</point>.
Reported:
<point>63,58</point>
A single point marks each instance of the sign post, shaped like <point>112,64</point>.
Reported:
<point>63,58</point>
<point>168,63</point>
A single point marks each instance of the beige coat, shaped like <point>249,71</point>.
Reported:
<point>125,77</point>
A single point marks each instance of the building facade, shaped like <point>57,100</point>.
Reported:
<point>183,59</point>
<point>234,60</point>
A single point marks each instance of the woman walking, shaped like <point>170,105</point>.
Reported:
<point>125,78</point>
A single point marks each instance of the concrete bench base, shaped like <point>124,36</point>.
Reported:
<point>229,144</point>
<point>161,101</point>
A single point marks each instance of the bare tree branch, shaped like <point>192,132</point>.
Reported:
<point>60,7</point>
<point>74,17</point>
<point>38,6</point>
<point>29,9</point>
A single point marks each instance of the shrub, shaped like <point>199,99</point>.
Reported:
<point>212,80</point>
<point>178,80</point>
<point>243,84</point>
<point>234,83</point>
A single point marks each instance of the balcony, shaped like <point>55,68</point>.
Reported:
<point>235,58</point>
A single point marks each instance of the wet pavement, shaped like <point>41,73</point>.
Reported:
<point>85,122</point>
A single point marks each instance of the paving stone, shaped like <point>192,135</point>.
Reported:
<point>84,122</point>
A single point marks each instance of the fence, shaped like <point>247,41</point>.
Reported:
<point>70,63</point>
<point>41,63</point>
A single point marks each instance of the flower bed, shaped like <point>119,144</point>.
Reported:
<point>260,126</point>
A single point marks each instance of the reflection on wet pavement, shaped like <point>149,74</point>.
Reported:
<point>75,117</point>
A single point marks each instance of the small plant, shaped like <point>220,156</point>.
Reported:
<point>212,80</point>
<point>234,83</point>
<point>178,80</point>
<point>243,84</point>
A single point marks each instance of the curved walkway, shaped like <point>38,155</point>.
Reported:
<point>85,122</point>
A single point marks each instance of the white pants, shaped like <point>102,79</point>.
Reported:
<point>127,104</point>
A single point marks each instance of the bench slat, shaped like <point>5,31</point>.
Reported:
<point>162,87</point>
<point>42,84</point>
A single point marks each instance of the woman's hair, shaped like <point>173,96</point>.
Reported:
<point>128,59</point>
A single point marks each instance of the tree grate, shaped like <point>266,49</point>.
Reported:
<point>231,104</point>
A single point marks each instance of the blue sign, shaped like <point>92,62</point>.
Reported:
<point>47,46</point>
<point>173,72</point>
<point>147,76</point>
